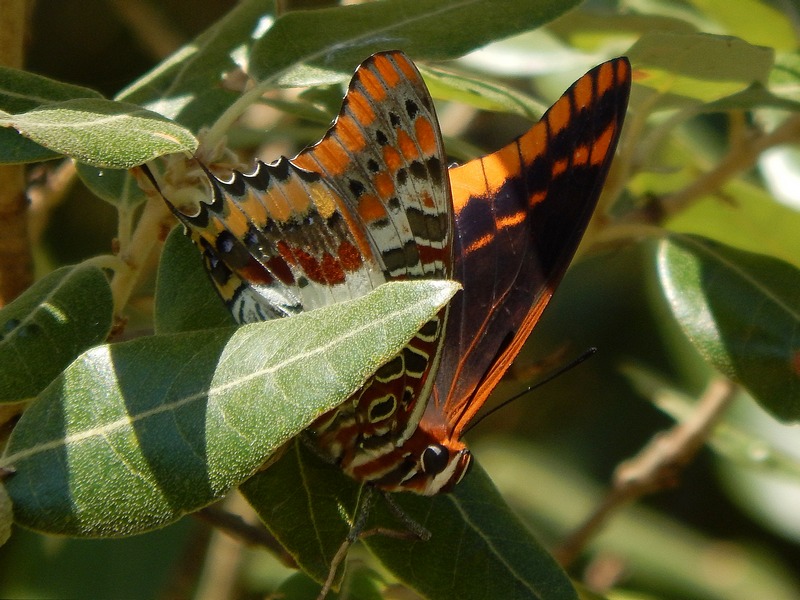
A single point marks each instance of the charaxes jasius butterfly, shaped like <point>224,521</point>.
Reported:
<point>374,201</point>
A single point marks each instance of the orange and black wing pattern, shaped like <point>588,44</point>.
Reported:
<point>520,214</point>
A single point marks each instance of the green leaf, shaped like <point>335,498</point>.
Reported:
<point>115,186</point>
<point>742,311</point>
<point>425,29</point>
<point>478,549</point>
<point>754,96</point>
<point>307,504</point>
<point>49,325</point>
<point>697,66</point>
<point>480,93</point>
<point>102,132</point>
<point>134,435</point>
<point>757,223</point>
<point>21,91</point>
<point>16,149</point>
<point>752,20</point>
<point>185,298</point>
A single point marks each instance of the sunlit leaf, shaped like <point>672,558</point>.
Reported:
<point>752,20</point>
<point>133,435</point>
<point>742,311</point>
<point>101,132</point>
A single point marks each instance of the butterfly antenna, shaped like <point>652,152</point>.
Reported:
<point>557,373</point>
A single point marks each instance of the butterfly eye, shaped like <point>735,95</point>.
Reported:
<point>434,459</point>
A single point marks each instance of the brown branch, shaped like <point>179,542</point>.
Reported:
<point>16,264</point>
<point>252,535</point>
<point>657,466</point>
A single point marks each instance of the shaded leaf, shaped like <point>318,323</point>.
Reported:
<point>697,66</point>
<point>742,312</point>
<point>115,186</point>
<point>50,324</point>
<point>21,91</point>
<point>755,96</point>
<point>185,298</point>
<point>307,504</point>
<point>479,549</point>
<point>133,435</point>
<point>102,133</point>
<point>15,148</point>
<point>188,86</point>
<point>425,29</point>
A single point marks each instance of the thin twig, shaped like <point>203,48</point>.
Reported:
<point>252,535</point>
<point>657,466</point>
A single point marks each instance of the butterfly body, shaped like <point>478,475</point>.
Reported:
<point>373,202</point>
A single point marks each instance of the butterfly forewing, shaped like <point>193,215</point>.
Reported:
<point>520,214</point>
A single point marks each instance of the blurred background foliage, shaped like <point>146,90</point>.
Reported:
<point>726,530</point>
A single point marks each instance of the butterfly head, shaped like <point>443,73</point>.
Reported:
<point>429,463</point>
<point>442,467</point>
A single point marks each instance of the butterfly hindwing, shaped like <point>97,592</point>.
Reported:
<point>385,156</point>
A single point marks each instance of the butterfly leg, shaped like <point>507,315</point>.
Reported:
<point>362,512</point>
<point>413,530</point>
<point>412,527</point>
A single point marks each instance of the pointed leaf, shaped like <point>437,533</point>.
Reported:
<point>102,133</point>
<point>21,91</point>
<point>189,85</point>
<point>742,311</point>
<point>480,93</point>
<point>49,325</point>
<point>134,435</point>
<point>115,186</point>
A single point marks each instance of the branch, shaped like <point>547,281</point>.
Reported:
<point>252,535</point>
<point>657,466</point>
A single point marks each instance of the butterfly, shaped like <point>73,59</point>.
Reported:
<point>374,201</point>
